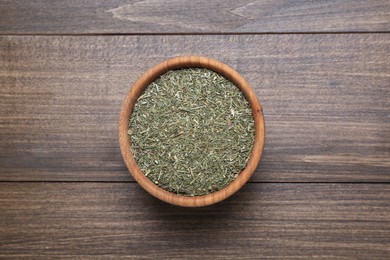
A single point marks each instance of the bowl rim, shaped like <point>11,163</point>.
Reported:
<point>127,108</point>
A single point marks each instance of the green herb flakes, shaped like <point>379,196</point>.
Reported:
<point>191,131</point>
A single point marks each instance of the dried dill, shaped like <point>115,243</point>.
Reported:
<point>191,131</point>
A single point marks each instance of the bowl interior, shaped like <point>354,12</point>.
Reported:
<point>136,91</point>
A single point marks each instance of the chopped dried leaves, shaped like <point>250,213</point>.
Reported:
<point>191,131</point>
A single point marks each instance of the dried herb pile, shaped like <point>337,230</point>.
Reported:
<point>191,131</point>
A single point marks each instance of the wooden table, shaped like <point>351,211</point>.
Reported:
<point>321,70</point>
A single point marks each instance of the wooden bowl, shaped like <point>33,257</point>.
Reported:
<point>136,91</point>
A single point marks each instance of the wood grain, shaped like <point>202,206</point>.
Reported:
<point>321,70</point>
<point>178,16</point>
<point>325,99</point>
<point>346,221</point>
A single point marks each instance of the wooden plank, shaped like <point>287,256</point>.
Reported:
<point>343,221</point>
<point>178,16</point>
<point>325,98</point>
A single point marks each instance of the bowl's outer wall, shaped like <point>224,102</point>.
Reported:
<point>131,99</point>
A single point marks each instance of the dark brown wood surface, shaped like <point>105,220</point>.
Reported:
<point>321,70</point>
<point>325,99</point>
<point>187,16</point>
<point>341,221</point>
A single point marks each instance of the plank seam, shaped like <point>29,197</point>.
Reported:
<point>194,33</point>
